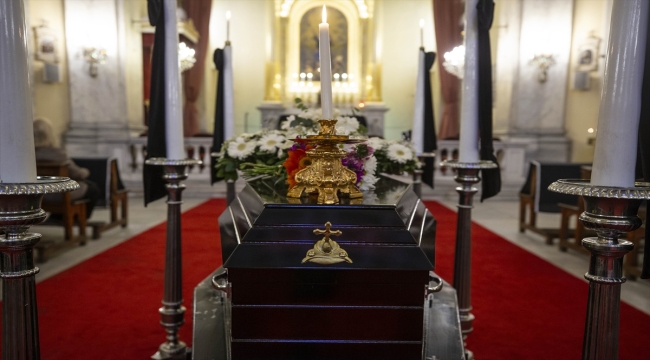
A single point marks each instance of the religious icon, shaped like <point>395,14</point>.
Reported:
<point>588,54</point>
<point>46,44</point>
<point>309,58</point>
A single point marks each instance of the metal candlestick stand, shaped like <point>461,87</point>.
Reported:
<point>610,211</point>
<point>467,174</point>
<point>172,312</point>
<point>417,173</point>
<point>20,208</point>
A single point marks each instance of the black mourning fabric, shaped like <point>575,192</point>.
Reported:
<point>219,113</point>
<point>154,185</point>
<point>644,149</point>
<point>429,133</point>
<point>491,183</point>
<point>547,173</point>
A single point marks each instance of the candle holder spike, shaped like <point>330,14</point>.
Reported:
<point>467,175</point>
<point>172,312</point>
<point>610,212</point>
<point>20,208</point>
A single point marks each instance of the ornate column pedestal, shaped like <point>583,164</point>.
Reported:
<point>467,174</point>
<point>172,312</point>
<point>20,208</point>
<point>610,211</point>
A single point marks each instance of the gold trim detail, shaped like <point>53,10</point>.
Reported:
<point>327,251</point>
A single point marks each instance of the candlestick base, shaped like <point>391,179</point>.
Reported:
<point>172,312</point>
<point>20,208</point>
<point>610,212</point>
<point>467,174</point>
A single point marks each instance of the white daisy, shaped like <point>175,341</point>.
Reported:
<point>240,148</point>
<point>368,182</point>
<point>286,125</point>
<point>346,125</point>
<point>399,153</point>
<point>270,142</point>
<point>370,165</point>
<point>375,143</point>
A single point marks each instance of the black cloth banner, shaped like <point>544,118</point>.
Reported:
<point>491,183</point>
<point>429,132</point>
<point>219,114</point>
<point>643,157</point>
<point>154,185</point>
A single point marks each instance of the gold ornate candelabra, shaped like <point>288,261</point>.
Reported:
<point>326,176</point>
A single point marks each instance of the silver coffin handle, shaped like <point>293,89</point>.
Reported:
<point>220,280</point>
<point>435,284</point>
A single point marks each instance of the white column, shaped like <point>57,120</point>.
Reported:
<point>620,107</point>
<point>173,101</point>
<point>469,107</point>
<point>17,160</point>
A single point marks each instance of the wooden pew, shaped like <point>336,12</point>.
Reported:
<point>534,196</point>
<point>118,200</point>
<point>105,173</point>
<point>73,212</point>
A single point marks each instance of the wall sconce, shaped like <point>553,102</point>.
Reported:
<point>543,62</point>
<point>94,56</point>
<point>455,61</point>
<point>186,57</point>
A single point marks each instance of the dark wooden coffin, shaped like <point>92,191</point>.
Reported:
<point>371,308</point>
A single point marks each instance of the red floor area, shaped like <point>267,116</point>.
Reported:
<point>525,307</point>
<point>106,307</point>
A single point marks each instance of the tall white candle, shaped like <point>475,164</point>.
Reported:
<point>325,67</point>
<point>17,160</point>
<point>469,108</point>
<point>228,26</point>
<point>620,107</point>
<point>173,102</point>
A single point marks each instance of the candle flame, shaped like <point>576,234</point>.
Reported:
<point>228,15</point>
<point>421,23</point>
<point>324,15</point>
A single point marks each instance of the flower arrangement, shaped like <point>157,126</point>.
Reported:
<point>273,153</point>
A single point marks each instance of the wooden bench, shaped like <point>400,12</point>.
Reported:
<point>73,212</point>
<point>534,197</point>
<point>573,239</point>
<point>105,173</point>
<point>118,199</point>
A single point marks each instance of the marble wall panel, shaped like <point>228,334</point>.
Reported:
<point>101,99</point>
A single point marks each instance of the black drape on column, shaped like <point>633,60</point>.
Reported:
<point>643,157</point>
<point>491,183</point>
<point>154,185</point>
<point>218,135</point>
<point>429,132</point>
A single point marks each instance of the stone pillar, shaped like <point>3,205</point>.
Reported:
<point>98,104</point>
<point>526,108</point>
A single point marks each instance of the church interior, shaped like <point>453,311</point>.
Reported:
<point>105,263</point>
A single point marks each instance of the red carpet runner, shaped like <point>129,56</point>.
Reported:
<point>106,307</point>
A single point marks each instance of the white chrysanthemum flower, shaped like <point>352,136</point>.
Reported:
<point>399,153</point>
<point>286,125</point>
<point>240,148</point>
<point>346,125</point>
<point>280,153</point>
<point>375,143</point>
<point>370,165</point>
<point>270,142</point>
<point>368,182</point>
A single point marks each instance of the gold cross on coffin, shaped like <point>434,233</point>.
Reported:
<point>327,251</point>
